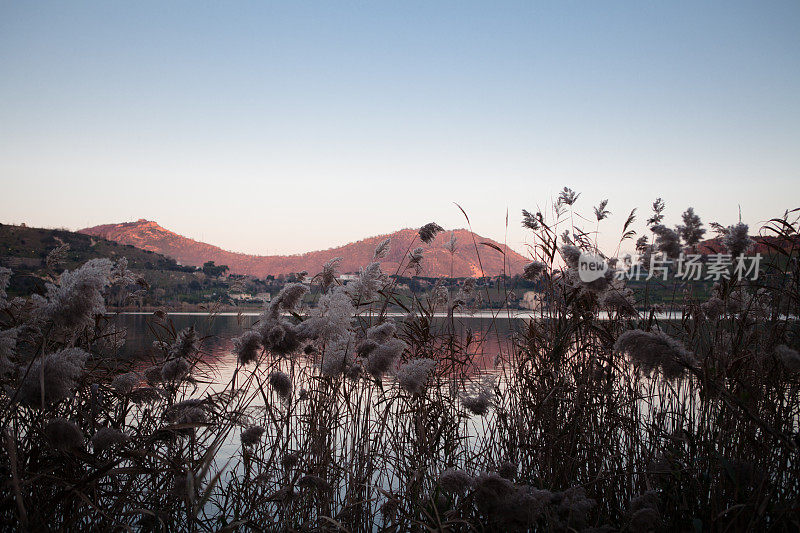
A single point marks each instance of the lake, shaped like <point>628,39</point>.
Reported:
<point>490,336</point>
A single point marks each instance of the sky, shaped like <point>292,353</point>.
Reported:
<point>283,127</point>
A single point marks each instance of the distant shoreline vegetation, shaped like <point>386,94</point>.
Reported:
<point>187,288</point>
<point>357,401</point>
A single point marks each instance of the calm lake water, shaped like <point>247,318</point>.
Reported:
<point>491,336</point>
<point>490,331</point>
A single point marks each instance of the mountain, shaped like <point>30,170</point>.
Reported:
<point>24,250</point>
<point>148,235</point>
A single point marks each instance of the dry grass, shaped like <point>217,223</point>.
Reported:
<point>572,435</point>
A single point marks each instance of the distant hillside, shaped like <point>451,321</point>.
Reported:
<point>26,248</point>
<point>148,235</point>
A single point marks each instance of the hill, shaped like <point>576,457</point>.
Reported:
<point>148,235</point>
<point>25,250</point>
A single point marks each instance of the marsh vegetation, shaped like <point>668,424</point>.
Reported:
<point>597,414</point>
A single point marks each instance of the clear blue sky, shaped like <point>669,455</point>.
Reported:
<point>270,127</point>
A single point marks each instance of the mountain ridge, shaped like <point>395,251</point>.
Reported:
<point>437,261</point>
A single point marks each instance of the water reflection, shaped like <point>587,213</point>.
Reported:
<point>488,338</point>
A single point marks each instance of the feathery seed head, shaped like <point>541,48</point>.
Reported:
<point>154,375</point>
<point>365,348</point>
<point>186,343</point>
<point>281,337</point>
<point>788,357</point>
<point>490,490</point>
<point>281,384</point>
<point>452,244</point>
<point>124,383</point>
<point>571,255</point>
<point>328,274</point>
<point>575,507</point>
<point>619,299</point>
<point>414,375</point>
<point>691,231</point>
<point>287,299</point>
<point>428,232</point>
<point>415,259</point>
<point>338,356</point>
<point>655,350</point>
<point>106,437</point>
<point>78,298</point>
<point>59,371</point>
<point>531,221</point>
<point>289,460</point>
<point>57,256</point>
<point>370,280</point>
<point>479,398</point>
<point>643,512</point>
<point>508,470</point>
<point>455,481</point>
<point>251,435</point>
<point>382,332</point>
<point>567,196</point>
<point>8,342</point>
<point>247,347</point>
<point>658,213</point>
<point>145,395</point>
<point>314,482</point>
<point>175,370</point>
<point>713,308</point>
<point>600,212</point>
<point>64,435</point>
<point>440,295</point>
<point>182,413</point>
<point>534,270</point>
<point>469,286</point>
<point>331,319</point>
<point>383,357</point>
<point>382,250</point>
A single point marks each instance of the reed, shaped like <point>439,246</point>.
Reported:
<point>600,413</point>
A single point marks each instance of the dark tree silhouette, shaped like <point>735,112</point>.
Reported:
<point>212,270</point>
